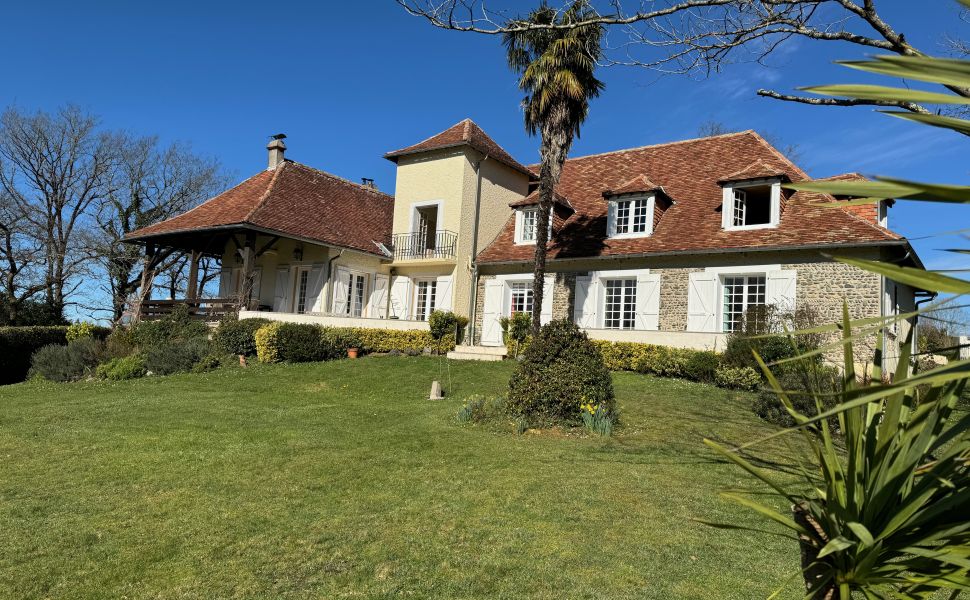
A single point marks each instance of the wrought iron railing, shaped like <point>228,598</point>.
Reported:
<point>412,246</point>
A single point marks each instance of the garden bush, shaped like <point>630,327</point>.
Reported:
<point>753,336</point>
<point>83,329</point>
<point>209,362</point>
<point>292,342</point>
<point>515,331</point>
<point>120,369</point>
<point>168,357</point>
<point>702,366</point>
<point>237,337</point>
<point>177,326</point>
<point>479,408</point>
<point>801,389</point>
<point>561,371</point>
<point>443,323</point>
<point>18,345</point>
<point>737,378</point>
<point>69,362</point>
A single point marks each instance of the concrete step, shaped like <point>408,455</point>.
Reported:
<point>478,353</point>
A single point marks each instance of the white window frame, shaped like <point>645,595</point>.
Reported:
<point>526,285</point>
<point>417,281</point>
<point>520,225</point>
<point>298,272</point>
<point>625,299</point>
<point>614,206</point>
<point>720,293</point>
<point>728,204</point>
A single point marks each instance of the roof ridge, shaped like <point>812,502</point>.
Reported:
<point>204,202</point>
<point>778,153</point>
<point>269,188</point>
<point>342,179</point>
<point>430,137</point>
<point>674,143</point>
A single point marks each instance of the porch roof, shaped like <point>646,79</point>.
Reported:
<point>294,201</point>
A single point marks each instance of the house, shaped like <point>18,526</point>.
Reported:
<point>668,244</point>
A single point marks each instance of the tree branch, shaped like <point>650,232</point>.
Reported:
<point>910,106</point>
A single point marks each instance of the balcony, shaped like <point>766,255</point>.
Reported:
<point>439,244</point>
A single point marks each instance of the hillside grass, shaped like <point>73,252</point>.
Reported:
<point>341,480</point>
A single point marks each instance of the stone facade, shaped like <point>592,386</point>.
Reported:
<point>564,296</point>
<point>673,298</point>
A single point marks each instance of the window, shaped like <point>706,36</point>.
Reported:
<point>302,279</point>
<point>356,289</point>
<point>522,299</point>
<point>527,225</point>
<point>632,216</point>
<point>752,206</point>
<point>621,304</point>
<point>740,293</point>
<point>424,306</point>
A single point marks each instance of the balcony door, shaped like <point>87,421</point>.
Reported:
<point>425,230</point>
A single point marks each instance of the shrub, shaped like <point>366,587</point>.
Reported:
<point>177,326</point>
<point>480,408</point>
<point>291,342</point>
<point>752,336</point>
<point>265,338</point>
<point>560,372</point>
<point>119,369</point>
<point>171,357</point>
<point>67,363</point>
<point>515,331</point>
<point>18,345</point>
<point>237,337</point>
<point>441,323</point>
<point>803,388</point>
<point>83,329</point>
<point>737,378</point>
<point>702,365</point>
<point>207,363</point>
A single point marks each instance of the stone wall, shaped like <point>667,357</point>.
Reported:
<point>564,296</point>
<point>673,297</point>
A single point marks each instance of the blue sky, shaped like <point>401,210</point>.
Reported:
<point>349,81</point>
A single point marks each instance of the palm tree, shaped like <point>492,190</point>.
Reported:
<point>556,70</point>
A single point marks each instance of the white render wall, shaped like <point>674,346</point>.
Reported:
<point>330,321</point>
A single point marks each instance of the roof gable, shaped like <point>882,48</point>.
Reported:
<point>465,133</point>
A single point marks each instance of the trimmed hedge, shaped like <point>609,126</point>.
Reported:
<point>696,365</point>
<point>298,342</point>
<point>18,344</point>
<point>237,337</point>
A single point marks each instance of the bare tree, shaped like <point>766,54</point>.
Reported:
<point>700,37</point>
<point>712,128</point>
<point>149,184</point>
<point>54,168</point>
<point>21,262</point>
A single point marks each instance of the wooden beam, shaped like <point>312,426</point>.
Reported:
<point>248,270</point>
<point>267,246</point>
<point>192,288</point>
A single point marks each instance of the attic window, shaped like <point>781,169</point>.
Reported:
<point>752,205</point>
<point>630,217</point>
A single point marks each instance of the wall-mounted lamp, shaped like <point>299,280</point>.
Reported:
<point>298,253</point>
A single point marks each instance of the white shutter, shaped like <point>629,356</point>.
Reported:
<point>702,302</point>
<point>341,285</point>
<point>545,313</point>
<point>400,296</point>
<point>492,311</point>
<point>281,298</point>
<point>378,298</point>
<point>257,282</point>
<point>648,302</point>
<point>610,219</point>
<point>727,207</point>
<point>587,294</point>
<point>225,281</point>
<point>780,289</point>
<point>317,279</point>
<point>442,295</point>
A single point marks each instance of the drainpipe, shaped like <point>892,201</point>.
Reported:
<point>330,280</point>
<point>929,297</point>
<point>473,296</point>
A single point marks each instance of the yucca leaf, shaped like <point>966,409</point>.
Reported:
<point>884,188</point>
<point>770,513</point>
<point>862,533</point>
<point>835,545</point>
<point>717,525</point>
<point>918,278</point>
<point>943,71</point>
<point>952,123</point>
<point>747,466</point>
<point>879,92</point>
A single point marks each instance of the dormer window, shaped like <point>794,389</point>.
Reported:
<point>752,205</point>
<point>630,216</point>
<point>527,224</point>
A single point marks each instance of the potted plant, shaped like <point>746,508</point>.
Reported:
<point>352,352</point>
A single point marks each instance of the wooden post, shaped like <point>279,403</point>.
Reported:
<point>248,271</point>
<point>147,279</point>
<point>192,288</point>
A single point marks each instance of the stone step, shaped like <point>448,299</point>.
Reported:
<point>478,353</point>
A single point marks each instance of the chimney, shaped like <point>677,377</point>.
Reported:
<point>368,182</point>
<point>276,149</point>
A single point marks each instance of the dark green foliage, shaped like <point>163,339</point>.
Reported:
<point>169,357</point>
<point>178,326</point>
<point>18,345</point>
<point>301,342</point>
<point>753,336</point>
<point>337,340</point>
<point>701,366</point>
<point>802,388</point>
<point>234,336</point>
<point>561,372</point>
<point>120,369</point>
<point>68,362</point>
<point>207,363</point>
<point>515,331</point>
<point>31,314</point>
<point>441,323</point>
<point>479,408</point>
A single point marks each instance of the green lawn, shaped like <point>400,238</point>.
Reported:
<point>341,480</point>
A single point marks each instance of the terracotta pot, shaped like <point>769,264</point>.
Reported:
<point>351,352</point>
<point>242,360</point>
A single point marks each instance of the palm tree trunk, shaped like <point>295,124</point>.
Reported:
<point>557,138</point>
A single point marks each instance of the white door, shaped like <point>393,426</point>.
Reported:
<point>400,297</point>
<point>341,290</point>
<point>587,295</point>
<point>492,311</point>
<point>702,302</point>
<point>281,300</point>
<point>443,300</point>
<point>648,302</point>
<point>378,298</point>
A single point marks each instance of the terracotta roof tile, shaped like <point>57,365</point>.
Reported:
<point>461,134</point>
<point>294,200</point>
<point>689,172</point>
<point>533,198</point>
<point>639,184</point>
<point>759,169</point>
